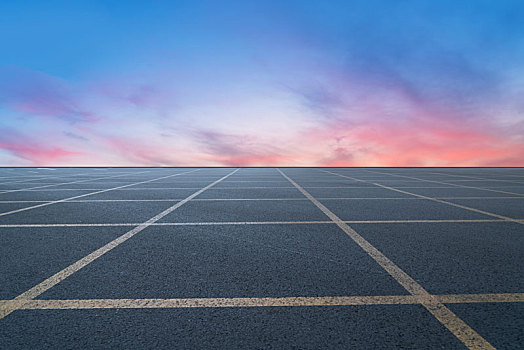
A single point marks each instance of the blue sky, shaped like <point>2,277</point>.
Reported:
<point>262,83</point>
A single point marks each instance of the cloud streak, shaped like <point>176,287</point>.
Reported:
<point>37,94</point>
<point>37,153</point>
<point>408,83</point>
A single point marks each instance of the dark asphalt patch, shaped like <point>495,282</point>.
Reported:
<point>50,181</point>
<point>171,181</point>
<point>88,213</point>
<point>231,261</point>
<point>502,324</point>
<point>6,207</point>
<point>220,211</point>
<point>235,177</point>
<point>408,183</point>
<point>355,193</point>
<point>179,184</point>
<point>252,193</point>
<point>42,195</point>
<point>30,255</point>
<point>144,194</point>
<point>11,187</point>
<point>452,258</point>
<point>515,189</point>
<point>355,327</point>
<point>93,186</point>
<point>332,182</point>
<point>256,171</point>
<point>510,207</point>
<point>247,183</point>
<point>487,183</point>
<point>398,209</point>
<point>458,192</point>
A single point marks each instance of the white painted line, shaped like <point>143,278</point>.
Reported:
<point>442,313</point>
<point>299,301</point>
<point>87,194</point>
<point>40,288</point>
<point>449,184</point>
<point>478,178</point>
<point>101,200</point>
<point>42,178</point>
<point>481,298</point>
<point>68,183</point>
<point>240,188</point>
<point>397,198</point>
<point>217,223</point>
<point>250,199</point>
<point>152,188</point>
<point>12,176</point>
<point>434,199</point>
<point>347,198</point>
<point>236,181</point>
<point>225,223</point>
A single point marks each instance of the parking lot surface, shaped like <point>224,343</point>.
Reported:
<point>307,258</point>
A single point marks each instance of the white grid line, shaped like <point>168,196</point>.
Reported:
<point>476,177</point>
<point>435,200</point>
<point>40,288</point>
<point>67,183</point>
<point>251,199</point>
<point>244,188</point>
<point>301,301</point>
<point>450,184</point>
<point>86,194</point>
<point>434,303</point>
<point>225,223</point>
<point>443,314</point>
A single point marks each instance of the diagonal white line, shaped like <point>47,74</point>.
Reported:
<point>40,288</point>
<point>446,183</point>
<point>44,177</point>
<point>478,178</point>
<point>432,199</point>
<point>71,182</point>
<point>90,194</point>
<point>443,314</point>
<point>20,176</point>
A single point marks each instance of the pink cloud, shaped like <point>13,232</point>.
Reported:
<point>38,153</point>
<point>416,144</point>
<point>39,94</point>
<point>235,150</point>
<point>137,151</point>
<point>353,123</point>
<point>361,121</point>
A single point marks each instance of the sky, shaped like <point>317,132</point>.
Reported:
<point>262,83</point>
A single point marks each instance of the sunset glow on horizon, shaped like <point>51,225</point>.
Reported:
<point>262,83</point>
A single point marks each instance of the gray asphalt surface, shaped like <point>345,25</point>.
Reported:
<point>254,234</point>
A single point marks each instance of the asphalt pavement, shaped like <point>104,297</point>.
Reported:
<point>303,258</point>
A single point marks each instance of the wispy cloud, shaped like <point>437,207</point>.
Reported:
<point>39,94</point>
<point>415,144</point>
<point>38,153</point>
<point>235,150</point>
<point>301,83</point>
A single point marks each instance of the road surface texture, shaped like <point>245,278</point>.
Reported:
<point>306,258</point>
